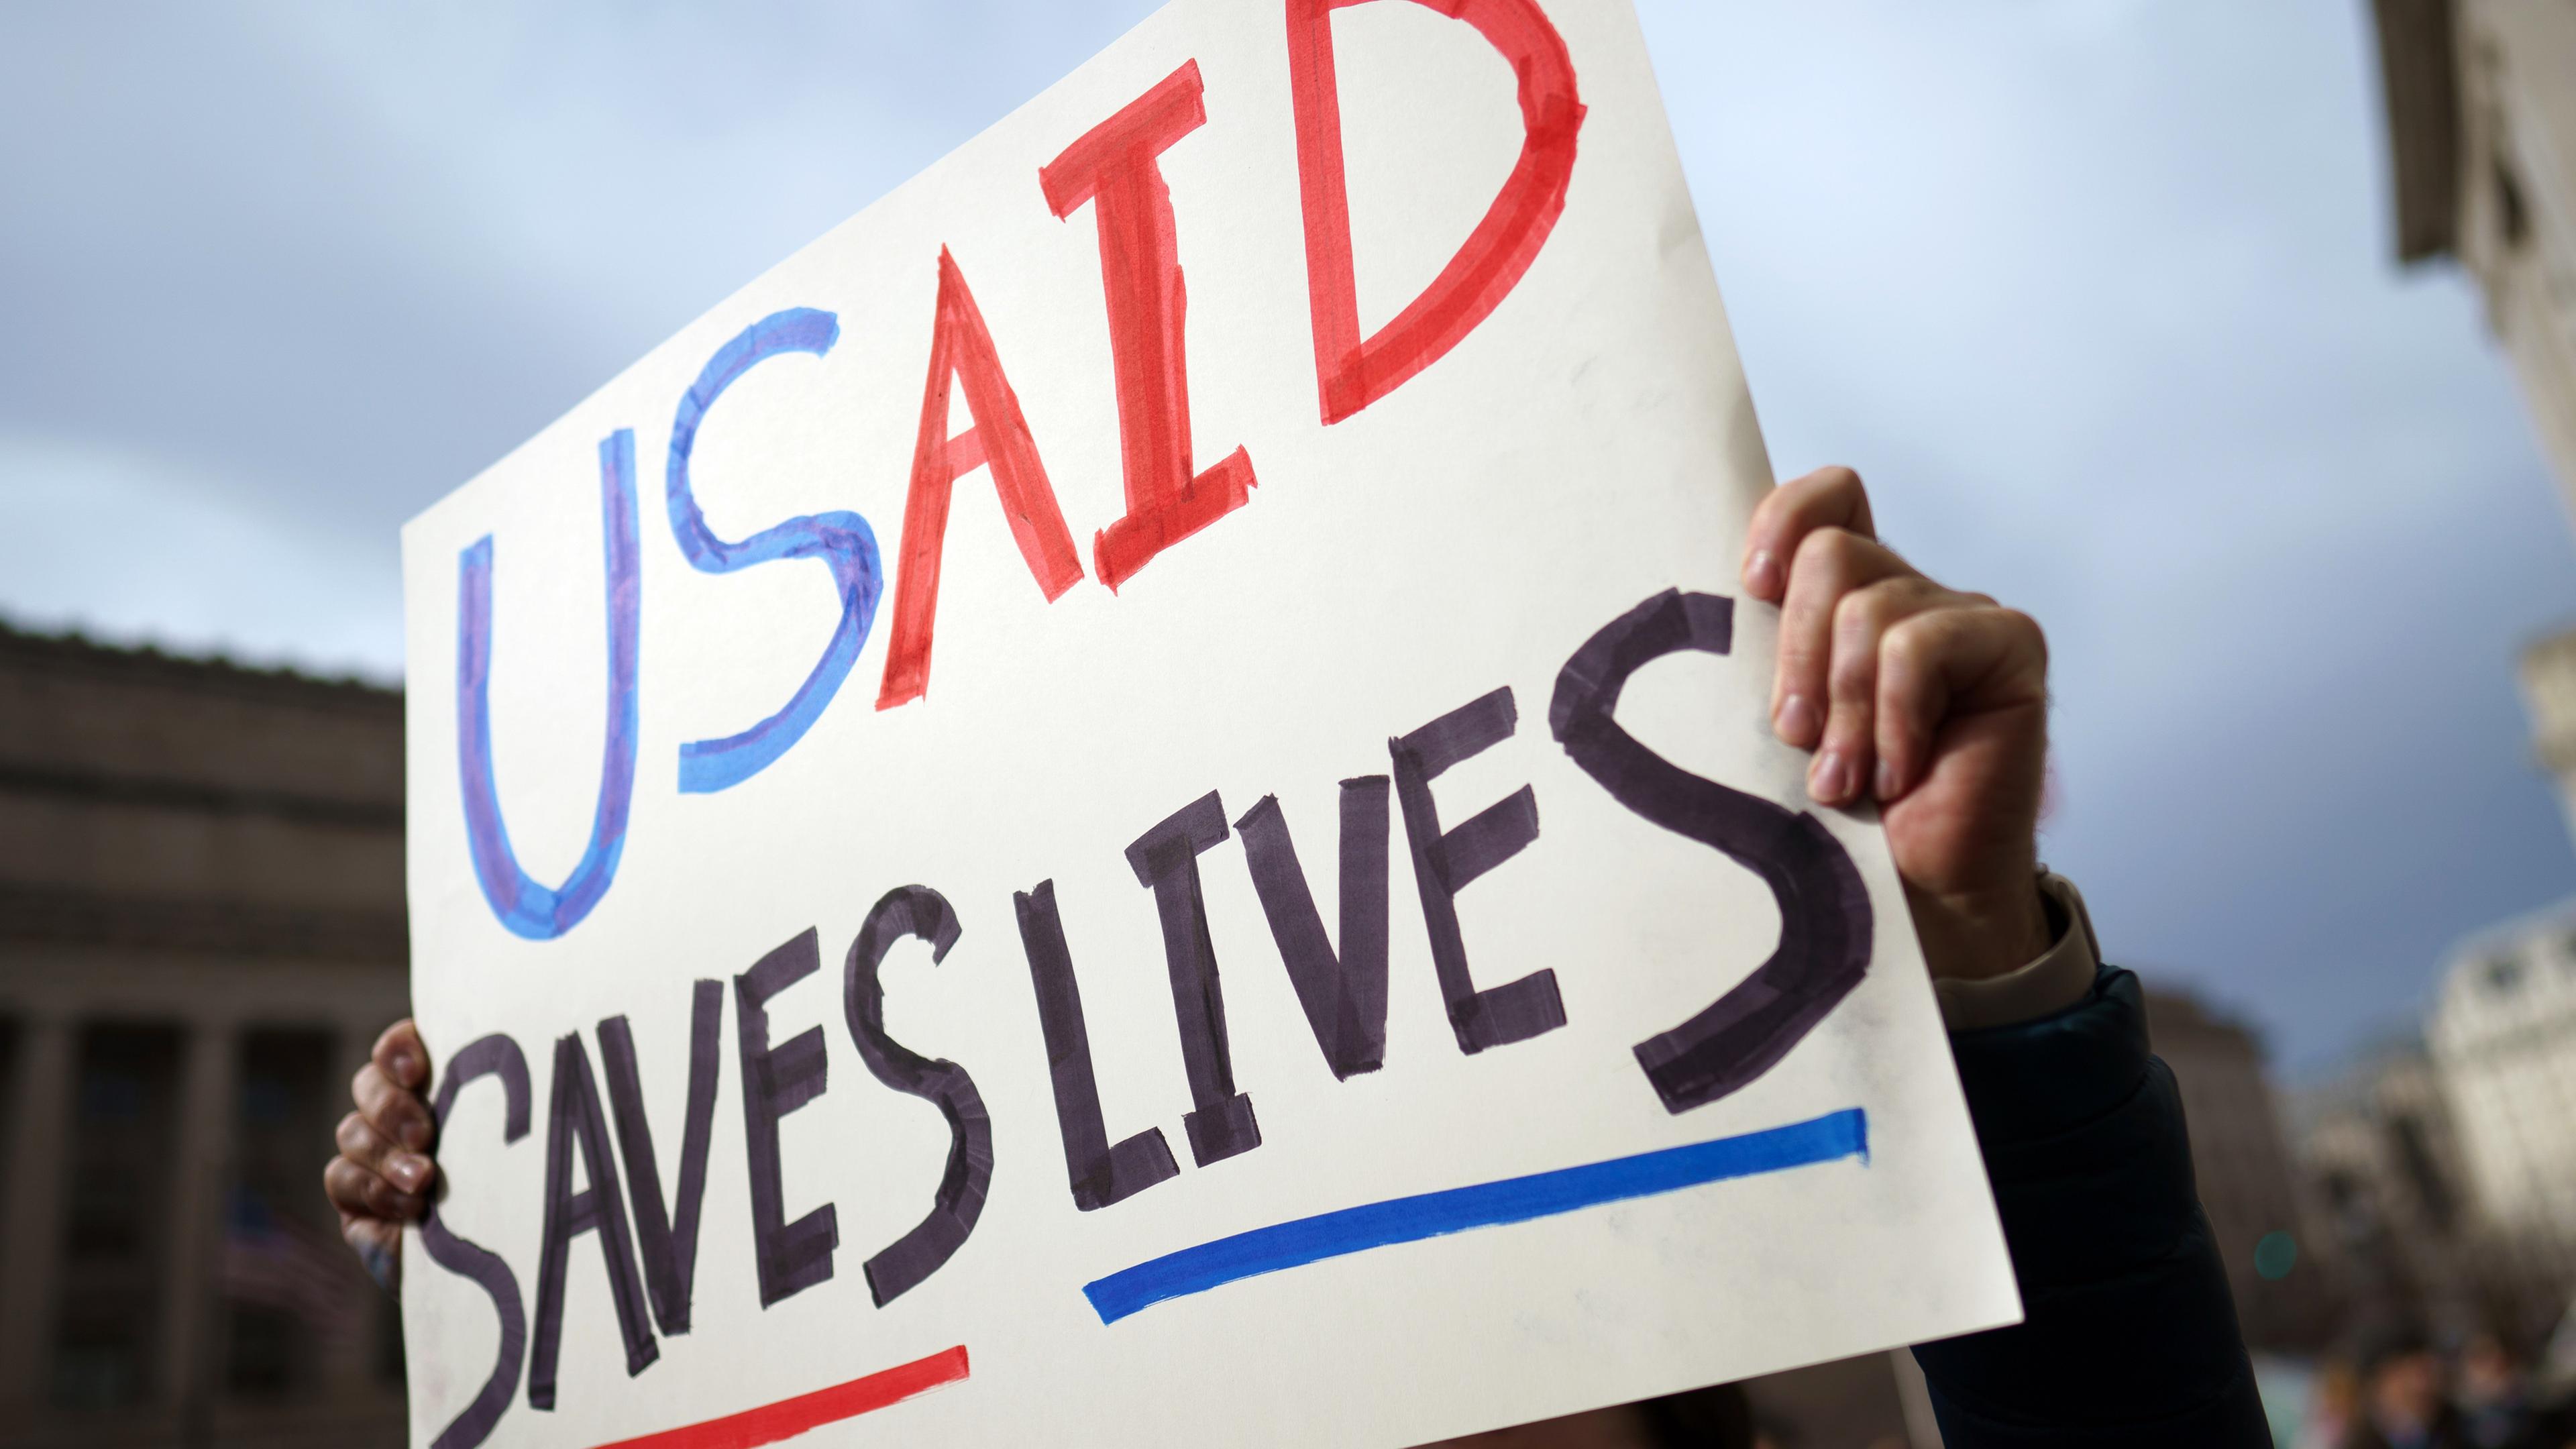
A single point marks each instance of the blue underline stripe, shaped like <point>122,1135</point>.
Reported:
<point>1294,1244</point>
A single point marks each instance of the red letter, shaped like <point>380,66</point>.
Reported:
<point>1114,168</point>
<point>1349,373</point>
<point>960,347</point>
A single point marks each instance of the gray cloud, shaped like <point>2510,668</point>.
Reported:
<point>325,263</point>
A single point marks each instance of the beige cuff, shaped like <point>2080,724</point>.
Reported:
<point>2057,980</point>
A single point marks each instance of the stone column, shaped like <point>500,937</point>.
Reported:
<point>209,1087</point>
<point>31,1220</point>
<point>2548,676</point>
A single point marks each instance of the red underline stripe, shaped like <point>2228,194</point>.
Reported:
<point>790,1417</point>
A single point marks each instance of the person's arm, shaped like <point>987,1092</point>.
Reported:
<point>381,1178</point>
<point>1934,704</point>
<point>2129,1336</point>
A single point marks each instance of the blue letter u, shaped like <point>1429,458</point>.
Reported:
<point>842,540</point>
<point>527,908</point>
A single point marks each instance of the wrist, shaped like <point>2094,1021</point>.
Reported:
<point>1975,936</point>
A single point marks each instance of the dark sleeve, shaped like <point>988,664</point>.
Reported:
<point>2129,1336</point>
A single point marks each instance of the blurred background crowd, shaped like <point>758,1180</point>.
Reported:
<point>2237,343</point>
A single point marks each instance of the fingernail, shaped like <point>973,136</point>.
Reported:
<point>403,1067</point>
<point>1796,721</point>
<point>1762,574</point>
<point>1830,778</point>
<point>408,1172</point>
<point>381,1265</point>
<point>1888,784</point>
<point>415,1135</point>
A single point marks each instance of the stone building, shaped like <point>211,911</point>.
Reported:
<point>2504,1035</point>
<point>2377,1142</point>
<point>2241,1164</point>
<point>2481,110</point>
<point>2399,1212</point>
<point>2481,103</point>
<point>201,933</point>
<point>2549,699</point>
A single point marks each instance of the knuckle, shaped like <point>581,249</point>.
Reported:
<point>346,1182</point>
<point>1909,642</point>
<point>385,1122</point>
<point>1852,691</point>
<point>1856,618</point>
<point>1910,654</point>
<point>1828,557</point>
<point>1852,676</point>
<point>1873,608</point>
<point>2027,631</point>
<point>1869,613</point>
<point>1836,544</point>
<point>1825,500</point>
<point>353,1135</point>
<point>1847,498</point>
<point>394,1104</point>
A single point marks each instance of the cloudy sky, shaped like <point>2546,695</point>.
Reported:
<point>2096,293</point>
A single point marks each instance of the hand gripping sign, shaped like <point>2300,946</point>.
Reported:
<point>1338,958</point>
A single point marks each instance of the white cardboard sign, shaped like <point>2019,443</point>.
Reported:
<point>1325,949</point>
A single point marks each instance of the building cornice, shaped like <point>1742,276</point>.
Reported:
<point>147,665</point>
<point>2420,88</point>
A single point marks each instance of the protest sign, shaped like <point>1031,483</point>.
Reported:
<point>1126,804</point>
